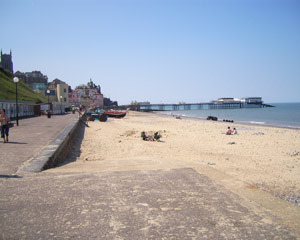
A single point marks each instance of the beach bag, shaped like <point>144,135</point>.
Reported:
<point>10,125</point>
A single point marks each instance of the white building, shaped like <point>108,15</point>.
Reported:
<point>251,100</point>
<point>228,100</point>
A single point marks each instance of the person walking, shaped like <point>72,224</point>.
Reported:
<point>4,119</point>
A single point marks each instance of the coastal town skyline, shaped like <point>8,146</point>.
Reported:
<point>160,51</point>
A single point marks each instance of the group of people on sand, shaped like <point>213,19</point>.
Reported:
<point>231,132</point>
<point>4,119</point>
<point>145,137</point>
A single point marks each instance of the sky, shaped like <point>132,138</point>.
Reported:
<point>161,51</point>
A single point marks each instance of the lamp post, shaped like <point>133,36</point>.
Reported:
<point>16,80</point>
<point>48,93</point>
<point>60,104</point>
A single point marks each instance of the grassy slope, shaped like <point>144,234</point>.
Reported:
<point>8,89</point>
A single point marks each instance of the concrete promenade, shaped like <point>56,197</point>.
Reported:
<point>182,203</point>
<point>29,138</point>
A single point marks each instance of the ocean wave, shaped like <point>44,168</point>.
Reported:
<point>254,122</point>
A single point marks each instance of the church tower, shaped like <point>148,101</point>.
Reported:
<point>6,61</point>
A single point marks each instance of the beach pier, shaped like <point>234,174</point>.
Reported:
<point>221,103</point>
<point>193,106</point>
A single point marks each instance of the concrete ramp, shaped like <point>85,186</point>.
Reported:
<point>155,204</point>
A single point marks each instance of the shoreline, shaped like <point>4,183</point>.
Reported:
<point>238,122</point>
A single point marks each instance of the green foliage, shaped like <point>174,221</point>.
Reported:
<point>8,89</point>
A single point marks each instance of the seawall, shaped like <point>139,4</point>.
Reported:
<point>54,153</point>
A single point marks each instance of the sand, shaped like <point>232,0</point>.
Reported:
<point>267,158</point>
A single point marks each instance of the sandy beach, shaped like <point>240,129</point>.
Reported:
<point>267,158</point>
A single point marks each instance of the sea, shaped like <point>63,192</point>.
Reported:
<point>285,115</point>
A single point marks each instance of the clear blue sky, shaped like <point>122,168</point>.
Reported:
<point>162,51</point>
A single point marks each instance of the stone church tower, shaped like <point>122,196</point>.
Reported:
<point>6,61</point>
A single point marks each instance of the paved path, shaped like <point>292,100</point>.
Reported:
<point>28,139</point>
<point>158,204</point>
<point>178,203</point>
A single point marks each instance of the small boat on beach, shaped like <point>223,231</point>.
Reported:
<point>115,114</point>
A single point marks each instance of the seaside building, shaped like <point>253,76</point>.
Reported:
<point>35,80</point>
<point>88,95</point>
<point>73,98</point>
<point>59,92</point>
<point>252,102</point>
<point>92,85</point>
<point>246,102</point>
<point>85,101</point>
<point>96,100</point>
<point>6,61</point>
<point>228,100</point>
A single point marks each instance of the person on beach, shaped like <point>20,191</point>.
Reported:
<point>234,131</point>
<point>228,131</point>
<point>4,119</point>
<point>157,136</point>
<point>146,138</point>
